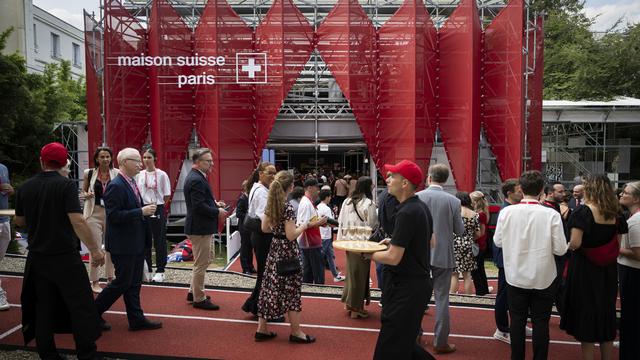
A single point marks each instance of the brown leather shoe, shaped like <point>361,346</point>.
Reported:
<point>447,349</point>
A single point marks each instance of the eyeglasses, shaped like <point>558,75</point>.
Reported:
<point>135,160</point>
<point>210,161</point>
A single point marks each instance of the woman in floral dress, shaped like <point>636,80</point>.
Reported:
<point>465,260</point>
<point>281,294</point>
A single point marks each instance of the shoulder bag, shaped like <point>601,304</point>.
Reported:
<point>252,222</point>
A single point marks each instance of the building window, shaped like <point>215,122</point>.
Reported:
<point>55,45</point>
<point>76,55</point>
<point>35,38</point>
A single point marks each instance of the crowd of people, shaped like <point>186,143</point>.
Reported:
<point>576,253</point>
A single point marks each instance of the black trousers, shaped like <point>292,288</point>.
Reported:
<point>69,281</point>
<point>404,304</point>
<point>261,243</point>
<point>558,298</point>
<point>629,279</point>
<point>538,303</point>
<point>128,281</point>
<point>479,276</point>
<point>501,307</point>
<point>158,230</point>
<point>246,250</point>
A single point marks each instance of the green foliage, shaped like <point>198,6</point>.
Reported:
<point>31,106</point>
<point>578,65</point>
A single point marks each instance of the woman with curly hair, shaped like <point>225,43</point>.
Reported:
<point>589,313</point>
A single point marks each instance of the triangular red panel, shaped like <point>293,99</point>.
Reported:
<point>503,92</point>
<point>224,111</point>
<point>125,87</point>
<point>287,39</point>
<point>459,84</point>
<point>407,85</point>
<point>93,60</point>
<point>347,43</point>
<point>172,114</point>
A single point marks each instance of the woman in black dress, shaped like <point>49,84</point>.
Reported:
<point>589,314</point>
<point>281,294</point>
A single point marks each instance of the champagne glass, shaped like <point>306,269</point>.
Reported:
<point>154,200</point>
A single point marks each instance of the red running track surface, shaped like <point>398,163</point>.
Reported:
<point>228,333</point>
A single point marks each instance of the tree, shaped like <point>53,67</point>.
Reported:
<point>31,106</point>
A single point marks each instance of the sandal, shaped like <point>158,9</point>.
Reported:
<point>259,336</point>
<point>308,339</point>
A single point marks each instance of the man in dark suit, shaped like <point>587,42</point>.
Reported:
<point>126,241</point>
<point>203,214</point>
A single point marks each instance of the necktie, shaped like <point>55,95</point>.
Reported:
<point>134,186</point>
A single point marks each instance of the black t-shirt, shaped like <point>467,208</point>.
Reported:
<point>412,231</point>
<point>45,200</point>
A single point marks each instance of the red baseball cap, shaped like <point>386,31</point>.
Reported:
<point>408,169</point>
<point>54,154</point>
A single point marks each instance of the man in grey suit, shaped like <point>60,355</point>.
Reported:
<point>447,221</point>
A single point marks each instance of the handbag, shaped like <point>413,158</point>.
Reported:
<point>606,254</point>
<point>289,266</point>
<point>252,222</point>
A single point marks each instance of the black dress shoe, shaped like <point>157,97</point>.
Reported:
<point>190,297</point>
<point>308,339</point>
<point>104,326</point>
<point>277,320</point>
<point>263,337</point>
<point>146,325</point>
<point>206,305</point>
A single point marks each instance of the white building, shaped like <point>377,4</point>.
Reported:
<point>41,37</point>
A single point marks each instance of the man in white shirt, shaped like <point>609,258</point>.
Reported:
<point>327,235</point>
<point>530,235</point>
<point>310,241</point>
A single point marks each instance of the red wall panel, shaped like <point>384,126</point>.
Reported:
<point>347,44</point>
<point>459,97</point>
<point>407,85</point>
<point>126,87</point>
<point>172,115</point>
<point>503,90</point>
<point>287,39</point>
<point>93,60</point>
<point>224,111</point>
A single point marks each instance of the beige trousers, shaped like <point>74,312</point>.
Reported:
<point>97,224</point>
<point>201,259</point>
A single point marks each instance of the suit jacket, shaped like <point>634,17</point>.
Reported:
<point>126,228</point>
<point>447,221</point>
<point>202,211</point>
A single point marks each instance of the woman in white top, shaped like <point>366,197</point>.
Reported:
<point>155,189</point>
<point>358,210</point>
<point>629,275</point>
<point>94,185</point>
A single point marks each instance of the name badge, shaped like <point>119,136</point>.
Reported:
<point>102,202</point>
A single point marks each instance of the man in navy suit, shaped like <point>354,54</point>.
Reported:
<point>203,214</point>
<point>125,239</point>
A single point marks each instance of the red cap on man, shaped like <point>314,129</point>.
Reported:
<point>408,169</point>
<point>54,155</point>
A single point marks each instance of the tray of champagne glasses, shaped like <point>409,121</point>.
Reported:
<point>356,239</point>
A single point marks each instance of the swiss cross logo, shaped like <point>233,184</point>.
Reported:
<point>251,68</point>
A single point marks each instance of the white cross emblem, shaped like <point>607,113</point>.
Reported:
<point>252,68</point>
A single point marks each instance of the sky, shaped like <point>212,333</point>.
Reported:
<point>605,12</point>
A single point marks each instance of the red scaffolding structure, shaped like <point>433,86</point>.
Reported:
<point>405,81</point>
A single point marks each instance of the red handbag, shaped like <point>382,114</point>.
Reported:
<point>605,254</point>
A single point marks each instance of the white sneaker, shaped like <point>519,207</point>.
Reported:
<point>528,332</point>
<point>338,278</point>
<point>4,304</point>
<point>502,336</point>
<point>490,289</point>
<point>158,277</point>
<point>616,344</point>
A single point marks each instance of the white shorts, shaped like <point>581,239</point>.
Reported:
<point>5,237</point>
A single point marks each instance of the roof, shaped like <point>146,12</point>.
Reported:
<point>624,102</point>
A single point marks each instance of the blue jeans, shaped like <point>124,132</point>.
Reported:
<point>327,251</point>
<point>312,266</point>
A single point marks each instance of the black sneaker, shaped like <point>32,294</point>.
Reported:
<point>104,326</point>
<point>206,305</point>
<point>190,297</point>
